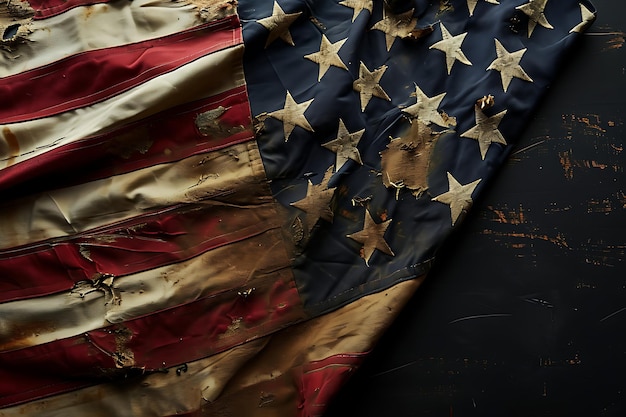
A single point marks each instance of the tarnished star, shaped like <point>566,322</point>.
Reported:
<point>327,56</point>
<point>587,17</point>
<point>396,25</point>
<point>486,130</point>
<point>508,63</point>
<point>316,203</point>
<point>534,10</point>
<point>292,115</point>
<point>451,46</point>
<point>372,237</point>
<point>278,25</point>
<point>458,197</point>
<point>367,84</point>
<point>358,6</point>
<point>345,146</point>
<point>425,109</point>
<point>471,5</point>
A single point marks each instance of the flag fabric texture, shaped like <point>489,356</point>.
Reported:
<point>212,208</point>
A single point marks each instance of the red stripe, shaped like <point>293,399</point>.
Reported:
<point>321,380</point>
<point>93,76</point>
<point>48,8</point>
<point>167,136</point>
<point>164,339</point>
<point>145,243</point>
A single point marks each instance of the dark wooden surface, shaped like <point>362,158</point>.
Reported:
<point>525,311</point>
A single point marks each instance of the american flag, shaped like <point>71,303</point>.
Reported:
<point>211,208</point>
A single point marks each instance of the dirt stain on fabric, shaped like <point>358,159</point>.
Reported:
<point>11,145</point>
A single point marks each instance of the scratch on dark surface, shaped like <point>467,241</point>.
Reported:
<point>480,316</point>
<point>506,215</point>
<point>540,302</point>
<point>615,42</point>
<point>603,206</point>
<point>613,314</point>
<point>524,149</point>
<point>558,240</point>
<point>397,368</point>
<point>568,164</point>
<point>590,124</point>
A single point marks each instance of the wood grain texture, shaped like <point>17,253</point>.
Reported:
<point>524,312</point>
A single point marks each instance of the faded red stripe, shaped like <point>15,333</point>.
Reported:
<point>321,380</point>
<point>93,76</point>
<point>145,243</point>
<point>164,339</point>
<point>49,8</point>
<point>167,136</point>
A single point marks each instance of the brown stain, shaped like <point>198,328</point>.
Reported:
<point>210,10</point>
<point>127,144</point>
<point>15,9</point>
<point>615,42</point>
<point>91,9</point>
<point>21,335</point>
<point>406,161</point>
<point>233,327</point>
<point>88,11</point>
<point>13,146</point>
<point>444,7</point>
<point>123,355</point>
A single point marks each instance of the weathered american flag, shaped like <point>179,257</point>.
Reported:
<point>202,220</point>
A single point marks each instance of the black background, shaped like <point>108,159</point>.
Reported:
<point>524,313</point>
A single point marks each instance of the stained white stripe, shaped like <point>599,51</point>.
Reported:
<point>159,394</point>
<point>44,319</point>
<point>213,74</point>
<point>76,209</point>
<point>352,328</point>
<point>98,26</point>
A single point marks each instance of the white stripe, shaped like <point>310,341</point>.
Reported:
<point>158,394</point>
<point>40,320</point>
<point>205,77</point>
<point>76,209</point>
<point>98,26</point>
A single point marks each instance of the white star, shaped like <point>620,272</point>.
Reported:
<point>425,109</point>
<point>486,130</point>
<point>278,25</point>
<point>368,84</point>
<point>458,197</point>
<point>372,237</point>
<point>451,46</point>
<point>508,63</point>
<point>358,6</point>
<point>345,146</point>
<point>327,56</point>
<point>587,17</point>
<point>395,25</point>
<point>471,5</point>
<point>292,115</point>
<point>316,203</point>
<point>534,10</point>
